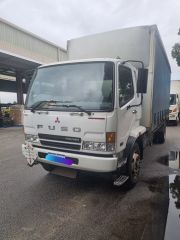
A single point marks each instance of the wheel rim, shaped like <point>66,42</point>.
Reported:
<point>135,166</point>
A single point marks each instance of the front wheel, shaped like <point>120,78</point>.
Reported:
<point>133,166</point>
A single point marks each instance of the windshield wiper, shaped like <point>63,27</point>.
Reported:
<point>75,106</point>
<point>39,103</point>
<point>52,102</point>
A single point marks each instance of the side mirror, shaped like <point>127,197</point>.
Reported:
<point>142,80</point>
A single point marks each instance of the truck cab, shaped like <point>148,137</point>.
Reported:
<point>81,115</point>
<point>174,108</point>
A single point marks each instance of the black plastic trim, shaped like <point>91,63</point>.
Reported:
<point>59,138</point>
<point>61,145</point>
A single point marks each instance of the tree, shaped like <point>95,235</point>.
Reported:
<point>176,51</point>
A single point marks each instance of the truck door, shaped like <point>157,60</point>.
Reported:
<point>126,96</point>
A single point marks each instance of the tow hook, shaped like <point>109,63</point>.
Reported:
<point>32,164</point>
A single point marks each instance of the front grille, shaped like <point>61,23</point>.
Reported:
<point>60,145</point>
<point>59,138</point>
<point>61,142</point>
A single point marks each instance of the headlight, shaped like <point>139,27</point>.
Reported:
<point>108,146</point>
<point>98,146</point>
<point>94,146</point>
<point>31,138</point>
<point>88,145</point>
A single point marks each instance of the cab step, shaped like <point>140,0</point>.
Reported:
<point>120,180</point>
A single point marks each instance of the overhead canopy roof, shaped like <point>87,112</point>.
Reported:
<point>20,53</point>
<point>11,64</point>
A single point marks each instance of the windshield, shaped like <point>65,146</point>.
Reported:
<point>172,99</point>
<point>88,85</point>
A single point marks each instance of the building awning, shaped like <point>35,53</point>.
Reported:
<point>10,64</point>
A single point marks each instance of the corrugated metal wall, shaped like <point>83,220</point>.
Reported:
<point>22,43</point>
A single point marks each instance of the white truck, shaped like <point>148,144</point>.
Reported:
<point>97,111</point>
<point>174,109</point>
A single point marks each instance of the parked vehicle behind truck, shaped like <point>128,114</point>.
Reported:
<point>174,108</point>
<point>97,111</point>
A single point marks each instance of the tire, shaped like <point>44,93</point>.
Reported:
<point>133,166</point>
<point>176,122</point>
<point>160,136</point>
<point>47,167</point>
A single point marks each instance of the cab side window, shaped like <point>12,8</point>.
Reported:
<point>126,88</point>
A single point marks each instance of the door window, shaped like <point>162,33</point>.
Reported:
<point>126,88</point>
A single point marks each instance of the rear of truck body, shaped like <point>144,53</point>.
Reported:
<point>105,138</point>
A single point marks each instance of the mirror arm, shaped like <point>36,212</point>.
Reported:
<point>135,61</point>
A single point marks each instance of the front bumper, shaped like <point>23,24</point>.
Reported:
<point>85,162</point>
<point>173,116</point>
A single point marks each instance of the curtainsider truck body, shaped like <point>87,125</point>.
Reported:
<point>97,111</point>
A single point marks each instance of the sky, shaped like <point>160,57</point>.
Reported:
<point>60,20</point>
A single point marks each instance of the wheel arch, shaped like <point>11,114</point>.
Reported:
<point>130,143</point>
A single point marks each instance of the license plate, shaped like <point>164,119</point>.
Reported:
<point>59,159</point>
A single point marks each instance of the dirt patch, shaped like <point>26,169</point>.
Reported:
<point>164,160</point>
<point>156,184</point>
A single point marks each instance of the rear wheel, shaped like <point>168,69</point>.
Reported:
<point>133,166</point>
<point>48,167</point>
<point>159,136</point>
<point>176,122</point>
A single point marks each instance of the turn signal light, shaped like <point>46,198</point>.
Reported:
<point>175,110</point>
<point>110,137</point>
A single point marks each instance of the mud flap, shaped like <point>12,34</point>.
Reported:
<point>65,172</point>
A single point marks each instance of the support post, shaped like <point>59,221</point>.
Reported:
<point>19,85</point>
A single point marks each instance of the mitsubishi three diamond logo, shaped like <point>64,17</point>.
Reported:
<point>57,120</point>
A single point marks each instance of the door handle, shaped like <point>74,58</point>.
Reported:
<point>134,111</point>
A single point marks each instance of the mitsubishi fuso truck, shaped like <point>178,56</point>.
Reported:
<point>98,110</point>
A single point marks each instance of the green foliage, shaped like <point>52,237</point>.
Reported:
<point>176,51</point>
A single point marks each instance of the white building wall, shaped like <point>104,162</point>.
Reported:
<point>175,86</point>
